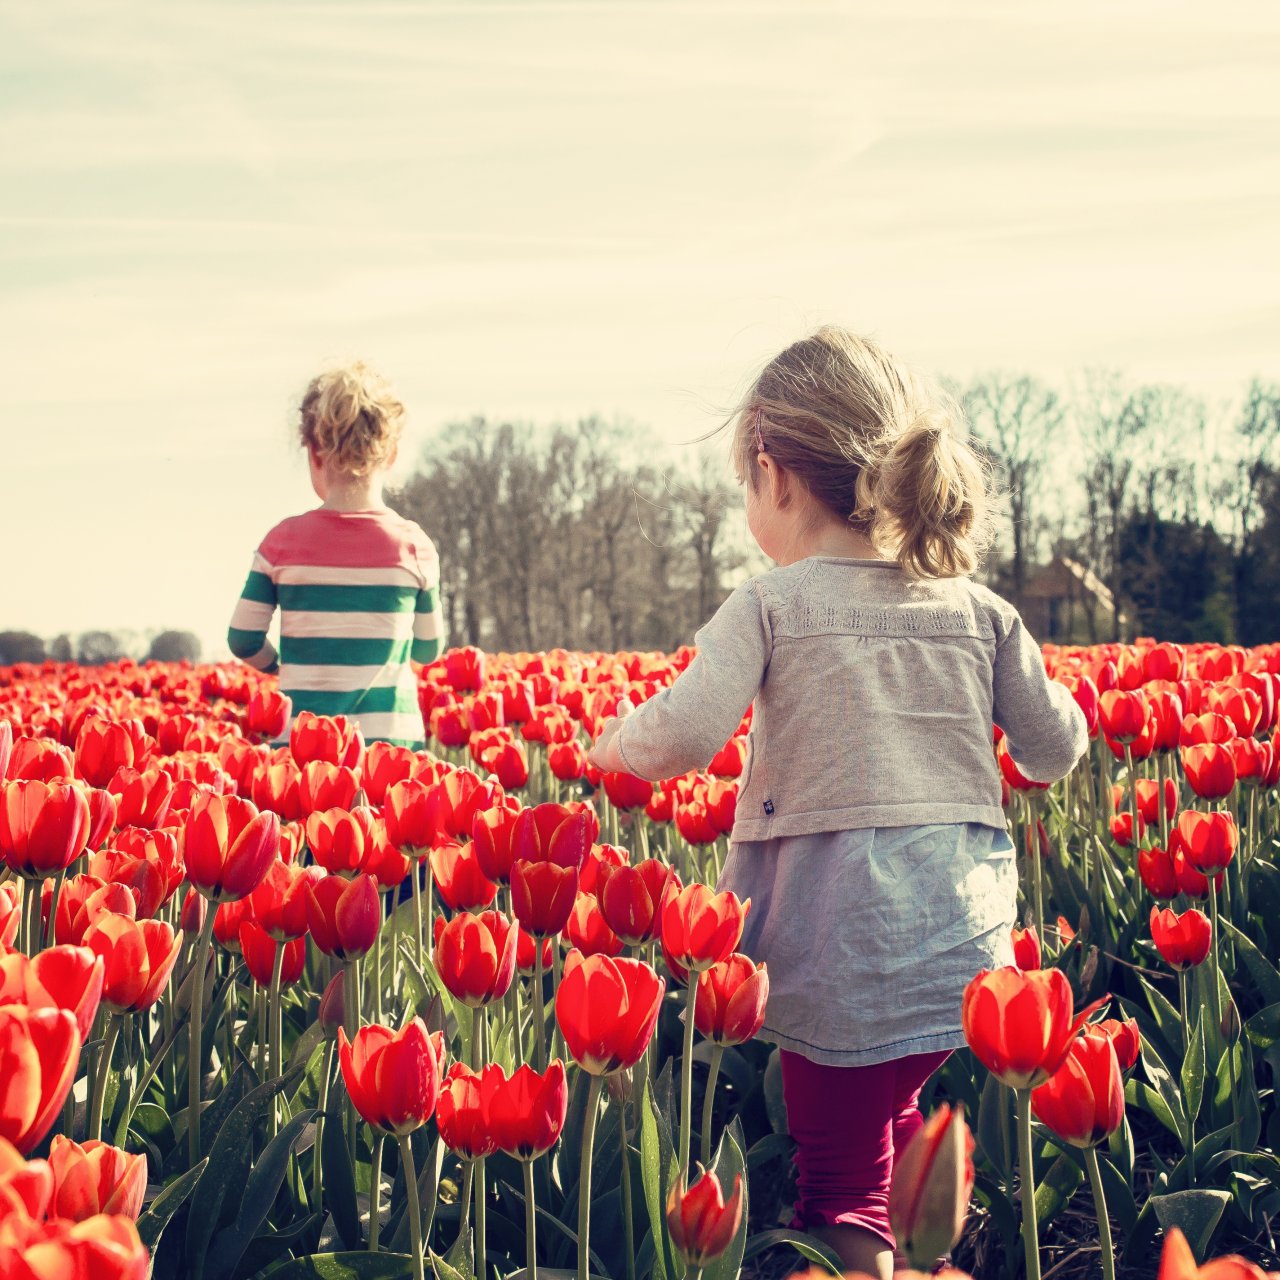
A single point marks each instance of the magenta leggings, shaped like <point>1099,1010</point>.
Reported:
<point>847,1123</point>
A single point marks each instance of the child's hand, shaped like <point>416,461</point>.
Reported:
<point>604,752</point>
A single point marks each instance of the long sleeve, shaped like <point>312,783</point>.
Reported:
<point>1044,728</point>
<point>684,726</point>
<point>428,622</point>
<point>247,634</point>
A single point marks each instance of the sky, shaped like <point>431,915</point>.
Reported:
<point>542,211</point>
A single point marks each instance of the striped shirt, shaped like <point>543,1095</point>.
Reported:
<point>358,593</point>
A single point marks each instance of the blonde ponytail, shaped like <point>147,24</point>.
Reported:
<point>350,415</point>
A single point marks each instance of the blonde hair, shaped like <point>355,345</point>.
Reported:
<point>350,416</point>
<point>875,443</point>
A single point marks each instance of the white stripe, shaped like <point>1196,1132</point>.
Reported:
<point>338,679</point>
<point>263,658</point>
<point>386,724</point>
<point>426,626</point>
<point>252,615</point>
<point>261,564</point>
<point>319,575</point>
<point>346,626</point>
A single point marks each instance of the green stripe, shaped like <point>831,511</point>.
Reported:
<point>259,587</point>
<point>319,597</point>
<point>335,702</point>
<point>324,651</point>
<point>425,650</point>
<point>244,644</point>
<point>428,600</point>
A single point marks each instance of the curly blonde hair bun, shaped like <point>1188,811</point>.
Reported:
<point>351,418</point>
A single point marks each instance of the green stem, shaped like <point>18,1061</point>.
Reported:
<point>1100,1209</point>
<point>317,1163</point>
<point>464,1198</point>
<point>417,912</point>
<point>153,1066</point>
<point>53,907</point>
<point>556,1049</point>
<point>195,1031</point>
<point>100,1079</point>
<point>531,1226</point>
<point>377,968</point>
<point>375,1191</point>
<point>415,1209</point>
<point>628,1225</point>
<point>686,1077</point>
<point>584,1181</point>
<point>351,1025</point>
<point>1026,1169</point>
<point>539,1010</point>
<point>477,1064</point>
<point>1215,989</point>
<point>708,1102</point>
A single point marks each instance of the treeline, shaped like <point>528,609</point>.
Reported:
<point>93,648</point>
<point>595,537</point>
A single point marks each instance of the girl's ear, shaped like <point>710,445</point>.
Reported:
<point>777,481</point>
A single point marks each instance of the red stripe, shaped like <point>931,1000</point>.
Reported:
<point>348,540</point>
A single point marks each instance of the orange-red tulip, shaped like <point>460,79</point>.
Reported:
<point>328,739</point>
<point>607,1010</point>
<point>10,910</point>
<point>542,896</point>
<point>1083,1101</point>
<point>462,1110</point>
<point>1209,839</point>
<point>259,950</point>
<point>932,1183</point>
<point>1026,948</point>
<point>58,977</point>
<point>1211,769</point>
<point>700,928</point>
<point>731,999</point>
<point>587,930</point>
<point>326,786</point>
<point>527,1112</point>
<point>266,716</point>
<point>1183,941</point>
<point>26,1186</point>
<point>106,1247</point>
<point>39,1053</point>
<point>44,826</point>
<point>96,1178</point>
<point>228,846</point>
<point>138,958</point>
<point>459,879</point>
<point>631,898</point>
<point>336,838</point>
<point>344,915</point>
<point>475,956</point>
<point>392,1077</point>
<point>1177,1262</point>
<point>701,1223</point>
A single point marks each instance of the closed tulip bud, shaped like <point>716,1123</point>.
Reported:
<point>336,839</point>
<point>138,958</point>
<point>26,1186</point>
<point>1211,769</point>
<point>700,928</point>
<point>344,915</point>
<point>542,896</point>
<point>631,899</point>
<point>527,1112</point>
<point>44,826</point>
<point>701,1224</point>
<point>1122,829</point>
<point>325,739</point>
<point>1026,948</point>
<point>191,917</point>
<point>409,817</point>
<point>392,1077</point>
<point>462,1110</point>
<point>1083,1101</point>
<point>475,956</point>
<point>567,760</point>
<point>558,833</point>
<point>266,716</point>
<point>626,791</point>
<point>96,1178</point>
<point>731,998</point>
<point>461,883</point>
<point>332,1013</point>
<point>1158,873</point>
<point>1209,840</point>
<point>932,1183</point>
<point>1123,714</point>
<point>1183,941</point>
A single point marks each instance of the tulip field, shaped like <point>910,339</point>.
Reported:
<point>277,1002</point>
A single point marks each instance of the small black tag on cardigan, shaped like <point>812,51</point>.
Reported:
<point>768,807</point>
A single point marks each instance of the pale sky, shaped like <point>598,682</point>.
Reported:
<point>548,210</point>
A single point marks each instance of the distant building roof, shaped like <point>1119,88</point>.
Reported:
<point>1064,578</point>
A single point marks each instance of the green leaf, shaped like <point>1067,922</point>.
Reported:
<point>442,1269</point>
<point>228,1166</point>
<point>995,1129</point>
<point>345,1266</point>
<point>340,1179</point>
<point>773,1146</point>
<point>1121,1204</point>
<point>152,1223</point>
<point>1137,1093</point>
<point>805,1245</point>
<point>657,1172</point>
<point>1193,1069</point>
<point>775,1104</point>
<point>1264,1027</point>
<point>1264,974</point>
<point>259,1195</point>
<point>1167,1019</point>
<point>730,1164</point>
<point>1194,1213</point>
<point>1162,1078</point>
<point>1057,1187</point>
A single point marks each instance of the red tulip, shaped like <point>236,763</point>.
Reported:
<point>1026,948</point>
<point>103,746</point>
<point>276,787</point>
<point>327,739</point>
<point>542,896</point>
<point>567,760</point>
<point>266,716</point>
<point>1208,728</point>
<point>526,953</point>
<point>1083,1101</point>
<point>1019,1024</point>
<point>409,817</point>
<point>626,791</point>
<point>39,760</point>
<point>137,957</point>
<point>336,838</point>
<point>557,833</point>
<point>229,846</point>
<point>142,798</point>
<point>326,786</point>
<point>475,956</point>
<point>1123,715</point>
<point>95,1178</point>
<point>1209,839</point>
<point>631,899</point>
<point>702,1225</point>
<point>384,765</point>
<point>932,1182</point>
<point>462,1110</point>
<point>1122,829</point>
<point>464,669</point>
<point>1124,1034</point>
<point>332,1012</point>
<point>1211,770</point>
<point>587,931</point>
<point>280,903</point>
<point>58,977</point>
<point>462,885</point>
<point>731,999</point>
<point>1158,873</point>
<point>10,909</point>
<point>491,832</point>
<point>106,1247</point>
<point>26,1186</point>
<point>1177,1262</point>
<point>39,1053</point>
<point>345,915</point>
<point>44,826</point>
<point>1183,941</point>
<point>259,949</point>
<point>527,1112</point>
<point>607,1010</point>
<point>392,1077</point>
<point>701,928</point>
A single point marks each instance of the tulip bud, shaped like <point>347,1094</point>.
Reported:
<point>332,1007</point>
<point>932,1182</point>
<point>702,1225</point>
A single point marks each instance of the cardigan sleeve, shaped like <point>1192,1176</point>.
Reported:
<point>247,634</point>
<point>684,726</point>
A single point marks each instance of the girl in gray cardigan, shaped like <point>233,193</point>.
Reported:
<point>870,836</point>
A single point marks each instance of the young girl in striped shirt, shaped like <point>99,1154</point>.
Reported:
<point>357,585</point>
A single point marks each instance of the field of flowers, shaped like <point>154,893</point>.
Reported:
<point>331,1009</point>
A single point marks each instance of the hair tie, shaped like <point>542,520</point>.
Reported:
<point>759,434</point>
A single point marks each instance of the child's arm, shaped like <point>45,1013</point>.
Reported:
<point>428,624</point>
<point>247,634</point>
<point>684,726</point>
<point>1044,729</point>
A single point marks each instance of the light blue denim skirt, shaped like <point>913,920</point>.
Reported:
<point>871,936</point>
